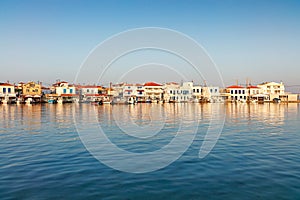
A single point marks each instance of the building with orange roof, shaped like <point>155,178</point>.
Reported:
<point>7,93</point>
<point>153,91</point>
<point>237,93</point>
<point>63,92</point>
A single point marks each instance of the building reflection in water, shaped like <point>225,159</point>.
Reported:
<point>141,118</point>
<point>270,114</point>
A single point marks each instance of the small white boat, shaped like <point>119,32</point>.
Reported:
<point>60,101</point>
<point>254,101</point>
<point>28,101</point>
<point>131,100</point>
<point>106,102</point>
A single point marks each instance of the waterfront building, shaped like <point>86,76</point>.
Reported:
<point>116,90</point>
<point>256,94</point>
<point>171,92</point>
<point>31,92</point>
<point>129,90</point>
<point>212,94</point>
<point>237,93</point>
<point>134,93</point>
<point>197,93</point>
<point>140,93</point>
<point>89,93</point>
<point>185,92</point>
<point>7,93</point>
<point>273,90</point>
<point>62,91</point>
<point>153,91</point>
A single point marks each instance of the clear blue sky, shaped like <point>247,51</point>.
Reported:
<point>49,39</point>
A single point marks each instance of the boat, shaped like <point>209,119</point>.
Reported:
<point>29,101</point>
<point>51,101</point>
<point>131,100</point>
<point>254,101</point>
<point>60,101</point>
<point>106,102</point>
<point>276,100</point>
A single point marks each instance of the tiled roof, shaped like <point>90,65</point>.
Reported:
<point>5,84</point>
<point>235,86</point>
<point>252,87</point>
<point>172,83</point>
<point>152,84</point>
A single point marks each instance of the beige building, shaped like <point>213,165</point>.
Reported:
<point>272,88</point>
<point>32,89</point>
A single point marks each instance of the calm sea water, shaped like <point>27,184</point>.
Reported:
<point>256,157</point>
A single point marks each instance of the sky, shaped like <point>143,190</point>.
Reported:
<point>258,40</point>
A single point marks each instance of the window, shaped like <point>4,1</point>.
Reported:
<point>243,91</point>
<point>231,91</point>
<point>170,91</point>
<point>87,90</point>
<point>197,90</point>
<point>194,90</point>
<point>240,92</point>
<point>4,90</point>
<point>216,90</point>
<point>211,90</point>
<point>71,91</point>
<point>65,91</point>
<point>9,90</point>
<point>235,91</point>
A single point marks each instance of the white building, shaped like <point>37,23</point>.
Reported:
<point>134,92</point>
<point>197,92</point>
<point>272,88</point>
<point>153,91</point>
<point>213,94</point>
<point>140,93</point>
<point>237,93</point>
<point>7,93</point>
<point>171,92</point>
<point>186,92</point>
<point>63,92</point>
<point>89,93</point>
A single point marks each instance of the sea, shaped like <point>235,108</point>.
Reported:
<point>150,151</point>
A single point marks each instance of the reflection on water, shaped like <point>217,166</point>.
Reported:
<point>256,157</point>
<point>30,118</point>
